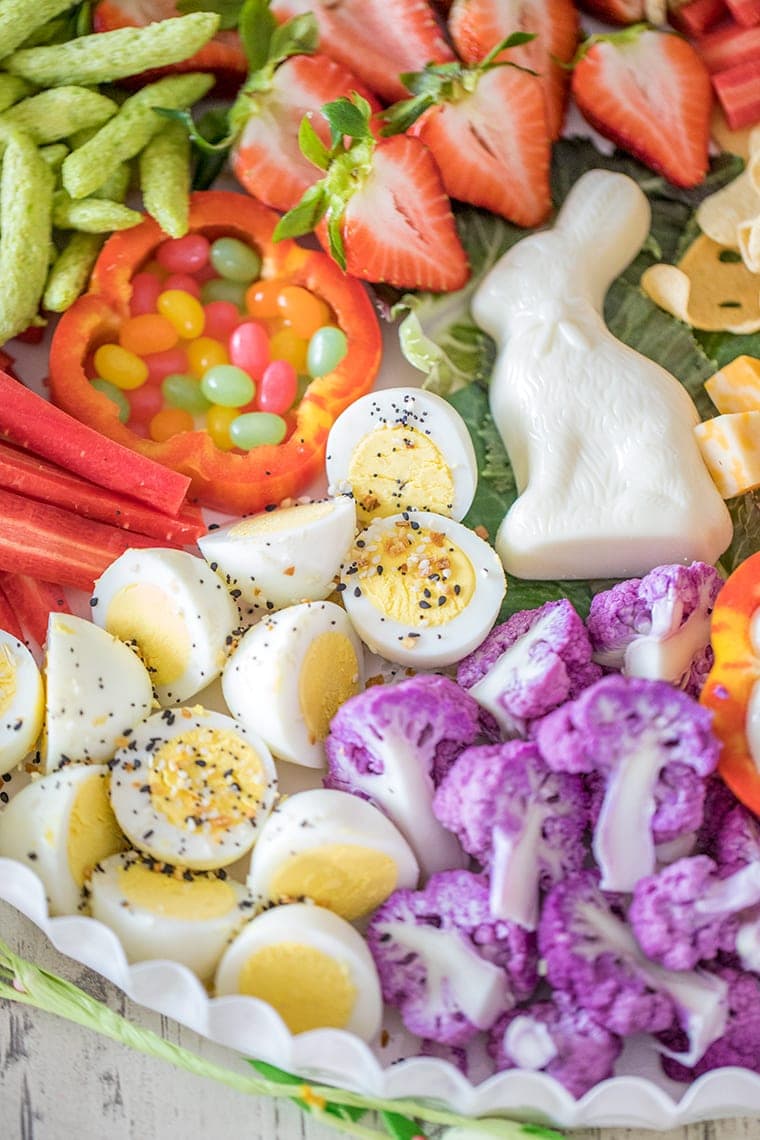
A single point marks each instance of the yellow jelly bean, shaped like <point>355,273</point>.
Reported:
<point>183,310</point>
<point>204,353</point>
<point>286,345</point>
<point>120,367</point>
<point>218,421</point>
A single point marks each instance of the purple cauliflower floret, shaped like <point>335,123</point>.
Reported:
<point>443,960</point>
<point>658,626</point>
<point>719,801</point>
<point>557,1038</point>
<point>522,821</point>
<point>393,744</point>
<point>654,747</point>
<point>529,665</point>
<point>739,1044</point>
<point>737,839</point>
<point>593,958</point>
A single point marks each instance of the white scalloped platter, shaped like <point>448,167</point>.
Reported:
<point>638,1096</point>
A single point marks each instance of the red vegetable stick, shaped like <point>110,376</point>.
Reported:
<point>746,12</point>
<point>28,475</point>
<point>33,601</point>
<point>56,545</point>
<point>728,46</point>
<point>29,421</point>
<point>695,18</point>
<point>738,90</point>
<point>8,620</point>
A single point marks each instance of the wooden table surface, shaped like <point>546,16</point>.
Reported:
<point>61,1082</point>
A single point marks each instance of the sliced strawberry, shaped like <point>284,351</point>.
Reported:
<point>267,159</point>
<point>476,26</point>
<point>728,46</point>
<point>738,90</point>
<point>697,16</point>
<point>380,209</point>
<point>223,55</point>
<point>376,39</point>
<point>650,94</point>
<point>615,11</point>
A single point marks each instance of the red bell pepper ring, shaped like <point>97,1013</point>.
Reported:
<point>231,482</point>
<point>732,679</point>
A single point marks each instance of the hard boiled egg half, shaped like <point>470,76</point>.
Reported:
<point>334,849</point>
<point>174,610</point>
<point>21,702</point>
<point>193,787</point>
<point>160,911</point>
<point>61,826</point>
<point>402,449</point>
<point>290,674</point>
<point>421,589</point>
<point>310,965</point>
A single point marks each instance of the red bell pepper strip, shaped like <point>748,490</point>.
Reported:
<point>735,637</point>
<point>9,623</point>
<point>33,602</point>
<point>738,91</point>
<point>233,482</point>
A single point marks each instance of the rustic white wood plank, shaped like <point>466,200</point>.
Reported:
<point>61,1082</point>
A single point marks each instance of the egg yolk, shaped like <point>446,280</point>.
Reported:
<point>308,988</point>
<point>93,831</point>
<point>412,575</point>
<point>397,468</point>
<point>145,616</point>
<point>345,878</point>
<point>329,676</point>
<point>8,679</point>
<point>201,898</point>
<point>206,777</point>
<point>270,522</point>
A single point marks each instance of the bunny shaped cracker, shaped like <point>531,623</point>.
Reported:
<point>610,478</point>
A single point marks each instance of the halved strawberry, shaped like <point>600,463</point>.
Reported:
<point>486,127</point>
<point>380,209</point>
<point>650,93</point>
<point>476,26</point>
<point>223,55</point>
<point>376,39</point>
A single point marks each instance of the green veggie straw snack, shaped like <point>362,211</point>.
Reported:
<point>19,18</point>
<point>26,201</point>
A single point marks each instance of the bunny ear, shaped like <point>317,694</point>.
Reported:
<point>604,220</point>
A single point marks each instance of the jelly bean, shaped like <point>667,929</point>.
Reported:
<point>218,422</point>
<point>327,348</point>
<point>115,395</point>
<point>183,255</point>
<point>145,290</point>
<point>184,392</point>
<point>121,367</point>
<point>183,310</point>
<point>285,345</point>
<point>256,428</point>
<point>161,364</point>
<point>169,422</point>
<point>145,402</point>
<point>261,298</point>
<point>219,289</point>
<point>204,353</point>
<point>186,283</point>
<point>227,385</point>
<point>147,333</point>
<point>221,318</point>
<point>302,310</point>
<point>234,260</point>
<point>208,273</point>
<point>249,348</point>
<point>278,387</point>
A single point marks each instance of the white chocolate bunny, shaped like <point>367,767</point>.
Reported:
<point>610,477</point>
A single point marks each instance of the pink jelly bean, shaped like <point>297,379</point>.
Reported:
<point>184,282</point>
<point>145,290</point>
<point>145,402</point>
<point>222,317</point>
<point>163,364</point>
<point>249,348</point>
<point>187,254</point>
<point>277,387</point>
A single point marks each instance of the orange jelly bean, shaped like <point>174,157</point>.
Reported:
<point>169,422</point>
<point>262,298</point>
<point>302,311</point>
<point>148,333</point>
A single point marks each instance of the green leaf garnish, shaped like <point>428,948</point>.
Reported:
<point>348,117</point>
<point>311,144</point>
<point>257,26</point>
<point>303,218</point>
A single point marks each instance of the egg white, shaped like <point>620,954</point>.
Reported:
<point>296,941</point>
<point>334,849</point>
<point>281,557</point>
<point>97,691</point>
<point>21,702</point>
<point>402,449</point>
<point>289,674</point>
<point>435,622</point>
<point>174,610</point>
<point>193,787</point>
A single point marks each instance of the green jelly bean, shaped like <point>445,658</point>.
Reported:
<point>327,348</point>
<point>228,385</point>
<point>220,289</point>
<point>116,396</point>
<point>234,260</point>
<point>253,429</point>
<point>184,392</point>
